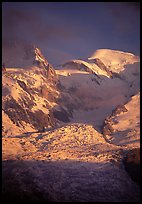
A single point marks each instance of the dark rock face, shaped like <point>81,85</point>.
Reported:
<point>46,93</point>
<point>61,115</point>
<point>107,126</point>
<point>44,64</point>
<point>107,130</point>
<point>17,113</point>
<point>119,109</point>
<point>40,120</point>
<point>101,65</point>
<point>132,164</point>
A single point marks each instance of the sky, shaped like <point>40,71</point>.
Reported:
<point>72,30</point>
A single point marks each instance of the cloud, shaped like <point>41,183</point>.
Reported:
<point>126,16</point>
<point>21,26</point>
<point>54,34</point>
<point>56,56</point>
<point>75,29</point>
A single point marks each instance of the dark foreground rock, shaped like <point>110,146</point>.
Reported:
<point>132,164</point>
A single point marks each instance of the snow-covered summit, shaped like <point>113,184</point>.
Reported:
<point>115,60</point>
<point>103,62</point>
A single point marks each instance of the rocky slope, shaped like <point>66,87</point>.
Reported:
<point>66,133</point>
<point>122,127</point>
<point>28,96</point>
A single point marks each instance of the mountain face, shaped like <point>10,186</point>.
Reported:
<point>29,107</point>
<point>67,132</point>
<point>122,127</point>
<point>24,90</point>
<point>89,90</point>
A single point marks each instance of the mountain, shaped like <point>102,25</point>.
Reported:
<point>115,60</point>
<point>27,96</point>
<point>122,127</point>
<point>68,133</point>
<point>103,62</point>
<point>87,66</point>
<point>90,93</point>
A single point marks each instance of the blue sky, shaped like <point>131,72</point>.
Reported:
<point>72,30</point>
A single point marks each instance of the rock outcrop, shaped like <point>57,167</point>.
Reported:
<point>102,66</point>
<point>132,164</point>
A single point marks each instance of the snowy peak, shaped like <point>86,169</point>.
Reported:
<point>39,58</point>
<point>114,59</point>
<point>42,62</point>
<point>35,56</point>
<point>104,62</point>
<point>114,56</point>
